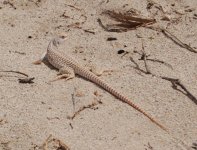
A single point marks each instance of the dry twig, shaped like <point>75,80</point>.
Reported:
<point>18,72</point>
<point>173,38</point>
<point>88,31</point>
<point>153,60</point>
<point>90,106</point>
<point>127,18</point>
<point>177,41</point>
<point>45,144</point>
<point>175,82</point>
<point>145,58</point>
<point>27,79</point>
<point>7,2</point>
<point>61,145</point>
<point>137,67</point>
<point>126,21</point>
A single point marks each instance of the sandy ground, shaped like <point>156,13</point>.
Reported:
<point>29,113</point>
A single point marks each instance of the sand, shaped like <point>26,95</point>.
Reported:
<point>29,113</point>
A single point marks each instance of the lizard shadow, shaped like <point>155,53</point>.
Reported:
<point>48,64</point>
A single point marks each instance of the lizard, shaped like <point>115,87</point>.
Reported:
<point>68,67</point>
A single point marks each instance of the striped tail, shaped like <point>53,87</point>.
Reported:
<point>92,77</point>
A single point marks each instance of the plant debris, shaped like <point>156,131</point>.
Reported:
<point>152,4</point>
<point>143,54</point>
<point>82,15</point>
<point>174,38</point>
<point>7,2</point>
<point>175,82</point>
<point>127,18</point>
<point>18,72</point>
<point>3,121</point>
<point>57,144</point>
<point>111,39</point>
<point>125,21</point>
<point>26,80</point>
<point>21,53</point>
<point>88,31</point>
<point>177,41</point>
<point>90,106</point>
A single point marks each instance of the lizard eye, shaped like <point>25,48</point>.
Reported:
<point>62,36</point>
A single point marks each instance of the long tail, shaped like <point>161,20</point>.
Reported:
<point>90,76</point>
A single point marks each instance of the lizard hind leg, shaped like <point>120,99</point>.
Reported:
<point>66,73</point>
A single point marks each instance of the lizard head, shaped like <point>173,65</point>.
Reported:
<point>59,40</point>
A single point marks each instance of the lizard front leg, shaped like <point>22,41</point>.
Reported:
<point>65,72</point>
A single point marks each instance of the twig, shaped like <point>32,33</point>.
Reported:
<point>125,21</point>
<point>108,29</point>
<point>160,61</point>
<point>151,3</point>
<point>145,58</point>
<point>90,106</point>
<point>176,83</point>
<point>22,80</point>
<point>71,125</point>
<point>125,53</point>
<point>88,31</point>
<point>73,100</point>
<point>154,60</point>
<point>127,18</point>
<point>36,3</point>
<point>45,144</point>
<point>77,24</point>
<point>62,145</point>
<point>21,53</point>
<point>16,72</point>
<point>73,7</point>
<point>177,41</point>
<point>137,66</point>
<point>9,3</point>
<point>173,38</point>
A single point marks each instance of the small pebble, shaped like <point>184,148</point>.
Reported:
<point>121,51</point>
<point>79,94</point>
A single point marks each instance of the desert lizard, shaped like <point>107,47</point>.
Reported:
<point>69,67</point>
